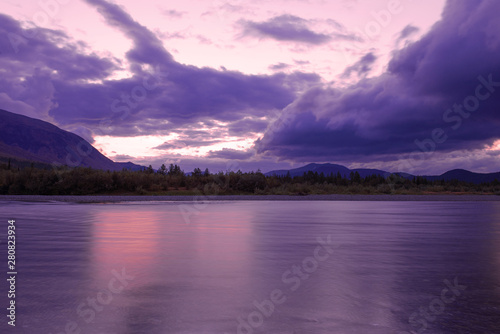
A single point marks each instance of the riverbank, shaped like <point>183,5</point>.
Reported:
<point>332,197</point>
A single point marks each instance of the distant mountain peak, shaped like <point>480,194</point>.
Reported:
<point>329,168</point>
<point>26,138</point>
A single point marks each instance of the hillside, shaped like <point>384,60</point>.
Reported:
<point>29,139</point>
<point>327,169</point>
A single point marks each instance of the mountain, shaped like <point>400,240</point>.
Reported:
<point>25,138</point>
<point>129,165</point>
<point>320,168</point>
<point>456,174</point>
<point>364,172</point>
<point>327,169</point>
<point>465,175</point>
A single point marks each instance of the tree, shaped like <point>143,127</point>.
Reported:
<point>197,172</point>
<point>162,170</point>
<point>357,177</point>
<point>175,170</point>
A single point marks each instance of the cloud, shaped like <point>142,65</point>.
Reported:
<point>122,157</point>
<point>215,165</point>
<point>285,28</point>
<point>302,62</point>
<point>177,144</point>
<point>336,24</point>
<point>404,110</point>
<point>172,13</point>
<point>7,103</point>
<point>24,50</point>
<point>204,40</point>
<point>51,76</point>
<point>186,94</point>
<point>407,32</point>
<point>279,66</point>
<point>404,36</point>
<point>55,78</point>
<point>83,132</point>
<point>34,59</point>
<point>230,154</point>
<point>247,126</point>
<point>147,48</point>
<point>362,66</point>
<point>172,35</point>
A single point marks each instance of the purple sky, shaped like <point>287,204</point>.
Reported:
<point>393,84</point>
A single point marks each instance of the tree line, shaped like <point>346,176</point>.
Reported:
<point>35,179</point>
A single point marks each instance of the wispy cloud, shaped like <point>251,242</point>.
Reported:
<point>172,13</point>
<point>407,31</point>
<point>177,144</point>
<point>279,66</point>
<point>285,28</point>
<point>361,67</point>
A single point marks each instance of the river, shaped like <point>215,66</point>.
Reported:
<point>255,267</point>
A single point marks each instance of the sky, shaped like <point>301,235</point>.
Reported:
<point>400,85</point>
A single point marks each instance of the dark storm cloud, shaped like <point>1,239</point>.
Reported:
<point>18,49</point>
<point>187,95</point>
<point>362,66</point>
<point>457,62</point>
<point>245,126</point>
<point>377,118</point>
<point>160,95</point>
<point>34,59</point>
<point>147,48</point>
<point>286,28</point>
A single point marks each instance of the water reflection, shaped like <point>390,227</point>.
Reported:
<point>389,260</point>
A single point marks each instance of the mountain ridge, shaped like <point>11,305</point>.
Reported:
<point>328,168</point>
<point>31,139</point>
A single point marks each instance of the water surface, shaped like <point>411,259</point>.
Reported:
<point>257,267</point>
